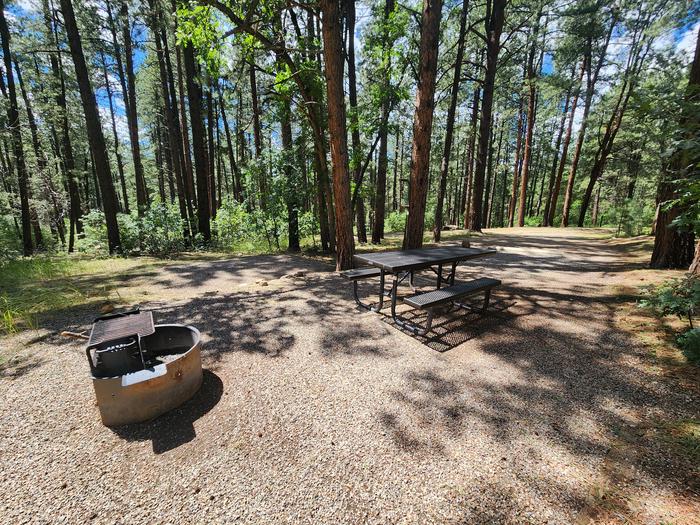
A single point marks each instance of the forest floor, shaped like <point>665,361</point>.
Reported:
<point>565,404</point>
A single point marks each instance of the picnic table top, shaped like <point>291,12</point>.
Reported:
<point>400,260</point>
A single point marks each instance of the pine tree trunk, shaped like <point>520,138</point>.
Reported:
<point>237,193</point>
<point>64,142</point>
<point>167,91</point>
<point>131,115</point>
<point>695,265</point>
<point>13,124</point>
<point>554,197</point>
<point>117,153</point>
<point>41,161</point>
<point>592,78</point>
<point>673,246</point>
<point>292,190</point>
<point>553,174</point>
<point>494,27</point>
<point>465,205</point>
<point>201,161</point>
<point>383,161</point>
<point>333,57</point>
<point>449,129</point>
<point>423,123</point>
<point>96,139</point>
<point>531,113</point>
<point>354,124</point>
<point>211,156</point>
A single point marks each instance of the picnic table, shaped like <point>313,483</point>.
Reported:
<point>403,264</point>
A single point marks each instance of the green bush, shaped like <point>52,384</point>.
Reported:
<point>396,221</point>
<point>10,242</point>
<point>679,297</point>
<point>159,232</point>
<point>162,230</point>
<point>689,343</point>
<point>230,223</point>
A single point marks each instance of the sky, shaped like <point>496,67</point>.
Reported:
<point>683,39</point>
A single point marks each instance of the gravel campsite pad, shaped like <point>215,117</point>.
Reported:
<point>312,411</point>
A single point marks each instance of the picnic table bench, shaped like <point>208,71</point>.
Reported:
<point>402,265</point>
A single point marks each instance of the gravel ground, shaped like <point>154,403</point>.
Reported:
<point>312,411</point>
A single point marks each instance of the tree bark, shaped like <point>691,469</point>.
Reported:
<point>354,123</point>
<point>94,127</point>
<point>383,161</point>
<point>211,155</point>
<point>591,80</point>
<point>449,127</point>
<point>131,115</point>
<point>117,153</point>
<point>673,246</point>
<point>636,56</point>
<point>237,190</point>
<point>423,123</point>
<point>65,146</point>
<point>333,58</point>
<point>516,167</point>
<point>465,204</point>
<point>201,162</point>
<point>531,113</point>
<point>169,96</point>
<point>554,195</point>
<point>13,123</point>
<point>40,160</point>
<point>495,10</point>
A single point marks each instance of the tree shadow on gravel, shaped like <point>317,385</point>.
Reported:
<point>17,366</point>
<point>574,383</point>
<point>176,427</point>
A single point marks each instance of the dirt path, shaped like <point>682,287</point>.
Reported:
<point>314,412</point>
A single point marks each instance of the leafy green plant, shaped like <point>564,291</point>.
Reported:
<point>679,297</point>
<point>396,221</point>
<point>689,343</point>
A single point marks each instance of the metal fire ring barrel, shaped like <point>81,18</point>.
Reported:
<point>145,394</point>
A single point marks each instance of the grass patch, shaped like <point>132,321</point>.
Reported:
<point>33,286</point>
<point>685,436</point>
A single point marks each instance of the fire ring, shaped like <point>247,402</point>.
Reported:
<point>140,370</point>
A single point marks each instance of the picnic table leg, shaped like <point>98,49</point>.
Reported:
<point>381,295</point>
<point>403,323</point>
<point>439,275</point>
<point>452,275</point>
<point>381,292</point>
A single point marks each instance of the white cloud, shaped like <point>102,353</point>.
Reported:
<point>686,44</point>
<point>30,6</point>
<point>120,121</point>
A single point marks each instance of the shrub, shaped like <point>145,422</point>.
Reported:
<point>162,230</point>
<point>158,232</point>
<point>231,223</point>
<point>396,221</point>
<point>689,344</point>
<point>679,297</point>
<point>10,241</point>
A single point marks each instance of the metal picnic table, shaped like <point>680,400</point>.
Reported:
<point>402,264</point>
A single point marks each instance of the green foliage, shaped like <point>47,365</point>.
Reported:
<point>679,297</point>
<point>231,223</point>
<point>396,221</point>
<point>159,232</point>
<point>689,343</point>
<point>10,242</point>
<point>199,28</point>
